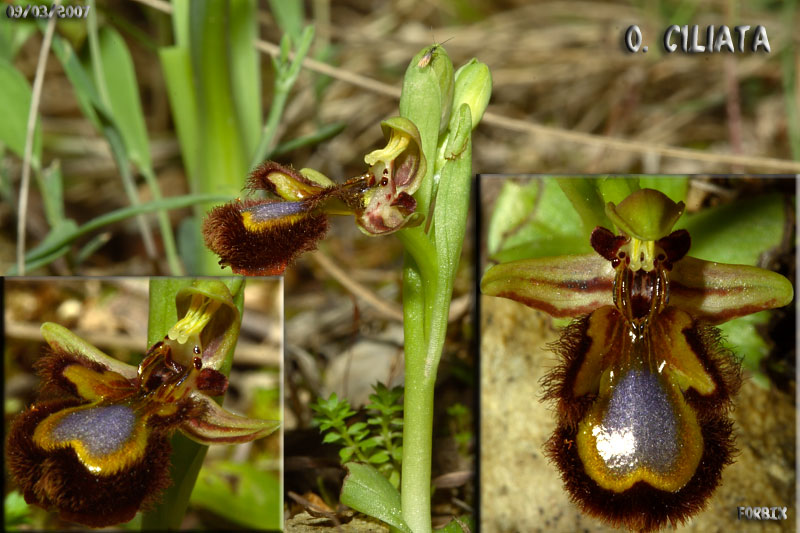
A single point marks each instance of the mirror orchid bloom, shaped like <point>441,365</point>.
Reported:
<point>94,446</point>
<point>644,386</point>
<point>262,236</point>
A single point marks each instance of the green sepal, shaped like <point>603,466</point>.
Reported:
<point>647,214</point>
<point>61,339</point>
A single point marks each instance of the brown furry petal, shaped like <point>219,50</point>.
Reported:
<point>59,481</point>
<point>258,179</point>
<point>50,368</point>
<point>720,363</point>
<point>557,384</point>
<point>264,252</point>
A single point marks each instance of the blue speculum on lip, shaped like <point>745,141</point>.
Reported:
<point>644,386</point>
<point>105,438</point>
<point>638,381</point>
<point>639,427</point>
<point>102,430</point>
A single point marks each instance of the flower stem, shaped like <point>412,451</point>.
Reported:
<point>187,455</point>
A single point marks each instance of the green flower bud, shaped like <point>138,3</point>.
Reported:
<point>474,88</point>
<point>435,57</point>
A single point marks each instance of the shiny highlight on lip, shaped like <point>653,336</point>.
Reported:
<point>644,386</point>
<point>643,392</point>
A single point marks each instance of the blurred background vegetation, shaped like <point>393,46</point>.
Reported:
<point>566,99</point>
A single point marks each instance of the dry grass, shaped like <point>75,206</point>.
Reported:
<point>566,98</point>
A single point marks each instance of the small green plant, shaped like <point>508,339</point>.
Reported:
<point>17,512</point>
<point>461,426</point>
<point>378,441</point>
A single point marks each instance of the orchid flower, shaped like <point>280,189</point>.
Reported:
<point>94,446</point>
<point>261,237</point>
<point>644,386</point>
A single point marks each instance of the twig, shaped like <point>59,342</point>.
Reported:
<point>590,139</point>
<point>359,290</point>
<point>38,82</point>
<point>511,124</point>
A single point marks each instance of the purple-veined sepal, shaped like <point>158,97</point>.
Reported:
<point>718,292</point>
<point>218,426</point>
<point>571,286</point>
<point>562,286</point>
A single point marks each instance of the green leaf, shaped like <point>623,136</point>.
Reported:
<point>587,200</point>
<point>372,442</point>
<point>356,428</point>
<point>124,102</point>
<point>16,510</point>
<point>240,493</point>
<point>331,437</point>
<point>14,108</point>
<point>13,34</point>
<point>346,453</point>
<point>397,454</point>
<point>85,92</point>
<point>540,222</point>
<point>67,233</point>
<point>52,190</point>
<point>367,491</point>
<point>177,68</point>
<point>513,206</point>
<point>739,232</point>
<point>379,457</point>
<point>245,71</point>
<point>289,16</point>
<point>741,336</point>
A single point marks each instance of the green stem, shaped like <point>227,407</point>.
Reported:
<point>425,264</point>
<point>187,456</point>
<point>415,490</point>
<point>285,76</point>
<point>419,284</point>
